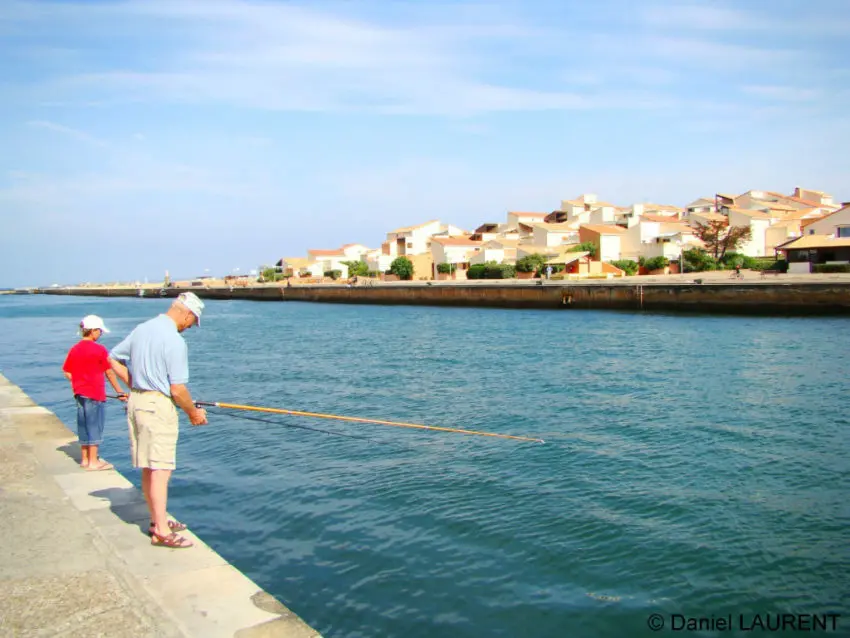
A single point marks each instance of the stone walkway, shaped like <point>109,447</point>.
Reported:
<point>75,558</point>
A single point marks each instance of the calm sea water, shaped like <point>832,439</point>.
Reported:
<point>694,465</point>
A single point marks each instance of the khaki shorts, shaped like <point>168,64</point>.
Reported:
<point>152,419</point>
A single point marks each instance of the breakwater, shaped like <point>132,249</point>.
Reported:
<point>755,297</point>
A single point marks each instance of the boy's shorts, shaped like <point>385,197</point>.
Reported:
<point>152,419</point>
<point>91,417</point>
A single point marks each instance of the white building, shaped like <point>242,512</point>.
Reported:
<point>454,250</point>
<point>606,238</point>
<point>515,219</point>
<point>836,224</point>
<point>502,251</point>
<point>550,235</point>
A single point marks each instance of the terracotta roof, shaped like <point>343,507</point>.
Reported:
<point>455,241</point>
<point>786,223</point>
<point>815,241</point>
<point>661,207</point>
<point>712,216</point>
<point>325,253</point>
<point>665,219</point>
<point>515,214</point>
<point>567,257</point>
<point>407,229</point>
<point>604,229</point>
<point>294,262</point>
<point>505,243</point>
<point>561,227</point>
<point>817,219</point>
<point>757,214</point>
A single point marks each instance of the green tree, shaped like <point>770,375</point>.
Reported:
<point>402,267</point>
<point>719,237</point>
<point>530,263</point>
<point>357,268</point>
<point>584,247</point>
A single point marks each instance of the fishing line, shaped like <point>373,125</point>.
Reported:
<point>303,427</point>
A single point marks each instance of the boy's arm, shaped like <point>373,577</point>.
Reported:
<point>113,381</point>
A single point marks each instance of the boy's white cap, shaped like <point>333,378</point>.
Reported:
<point>193,303</point>
<point>93,322</point>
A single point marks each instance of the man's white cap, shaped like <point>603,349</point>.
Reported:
<point>193,303</point>
<point>92,322</point>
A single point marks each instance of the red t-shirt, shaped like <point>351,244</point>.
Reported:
<point>86,362</point>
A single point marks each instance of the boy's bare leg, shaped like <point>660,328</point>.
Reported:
<point>95,462</point>
<point>85,458</point>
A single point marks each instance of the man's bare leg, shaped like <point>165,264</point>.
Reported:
<point>146,488</point>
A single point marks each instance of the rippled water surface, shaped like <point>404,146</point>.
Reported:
<point>693,465</point>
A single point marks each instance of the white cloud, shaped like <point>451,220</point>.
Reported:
<point>288,57</point>
<point>701,16</point>
<point>73,133</point>
<point>783,93</point>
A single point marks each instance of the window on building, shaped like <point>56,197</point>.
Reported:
<point>842,231</point>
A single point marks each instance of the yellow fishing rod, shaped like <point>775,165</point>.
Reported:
<point>337,417</point>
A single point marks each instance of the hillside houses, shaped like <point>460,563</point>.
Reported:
<point>634,232</point>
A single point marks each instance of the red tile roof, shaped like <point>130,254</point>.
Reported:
<point>456,241</point>
<point>604,229</point>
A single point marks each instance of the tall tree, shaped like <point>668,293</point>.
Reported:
<point>719,237</point>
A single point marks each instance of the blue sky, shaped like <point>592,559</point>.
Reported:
<point>190,135</point>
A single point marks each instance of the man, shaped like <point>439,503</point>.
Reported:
<point>157,371</point>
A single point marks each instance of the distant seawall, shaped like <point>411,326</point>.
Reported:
<point>813,298</point>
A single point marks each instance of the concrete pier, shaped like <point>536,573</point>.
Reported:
<point>76,560</point>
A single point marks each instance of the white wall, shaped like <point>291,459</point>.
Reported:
<point>609,248</point>
<point>828,225</point>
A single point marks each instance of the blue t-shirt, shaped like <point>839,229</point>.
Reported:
<point>156,355</point>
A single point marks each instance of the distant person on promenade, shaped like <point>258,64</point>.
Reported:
<point>154,362</point>
<point>85,366</point>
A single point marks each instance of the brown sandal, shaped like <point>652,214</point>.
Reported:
<point>174,526</point>
<point>172,540</point>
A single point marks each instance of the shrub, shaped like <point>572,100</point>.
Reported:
<point>698,260</point>
<point>445,269</point>
<point>656,263</point>
<point>530,263</point>
<point>476,271</point>
<point>333,274</point>
<point>731,259</point>
<point>629,266</point>
<point>826,268</point>
<point>402,267</point>
<point>499,271</point>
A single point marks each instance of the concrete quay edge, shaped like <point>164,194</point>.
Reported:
<point>77,559</point>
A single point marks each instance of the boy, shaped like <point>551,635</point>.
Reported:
<point>84,367</point>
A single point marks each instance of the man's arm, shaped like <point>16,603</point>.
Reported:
<point>121,371</point>
<point>183,399</point>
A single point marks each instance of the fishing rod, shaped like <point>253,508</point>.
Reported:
<point>255,408</point>
<point>337,417</point>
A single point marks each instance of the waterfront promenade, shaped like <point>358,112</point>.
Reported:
<point>714,292</point>
<point>76,561</point>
